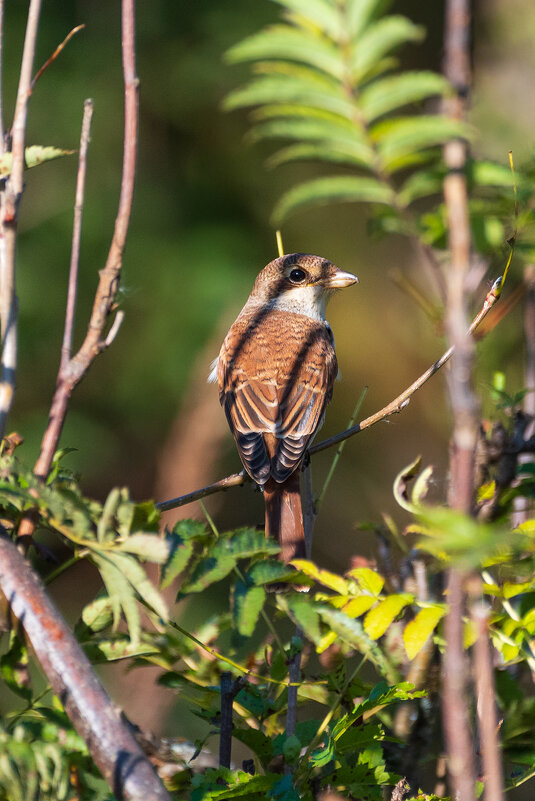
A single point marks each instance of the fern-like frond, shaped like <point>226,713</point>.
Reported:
<point>292,44</point>
<point>325,83</point>
<point>332,189</point>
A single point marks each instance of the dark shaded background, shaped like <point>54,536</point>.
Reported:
<point>200,232</point>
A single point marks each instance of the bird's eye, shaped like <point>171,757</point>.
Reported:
<point>297,276</point>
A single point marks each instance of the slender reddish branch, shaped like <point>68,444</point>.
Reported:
<point>104,304</point>
<point>70,309</point>
<point>73,680</point>
<point>9,204</point>
<point>394,407</point>
<point>486,704</point>
<point>459,738</point>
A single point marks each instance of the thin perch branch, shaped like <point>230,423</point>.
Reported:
<point>395,406</point>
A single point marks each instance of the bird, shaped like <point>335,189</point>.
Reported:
<point>275,373</point>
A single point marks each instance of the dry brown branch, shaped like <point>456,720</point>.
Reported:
<point>9,204</point>
<point>395,406</point>
<point>109,738</point>
<point>104,304</point>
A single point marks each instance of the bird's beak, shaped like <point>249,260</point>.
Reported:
<point>339,280</point>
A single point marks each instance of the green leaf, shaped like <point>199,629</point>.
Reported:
<point>121,594</point>
<point>417,631</point>
<point>351,154</point>
<point>294,85</point>
<point>361,12</point>
<point>395,91</point>
<point>381,616</point>
<point>245,543</point>
<point>207,571</point>
<point>302,612</point>
<point>321,13</point>
<point>14,667</point>
<point>33,156</point>
<point>379,39</point>
<point>326,129</point>
<point>352,632</point>
<point>268,572</point>
<point>332,189</point>
<point>147,546</point>
<point>137,577</point>
<point>290,44</point>
<point>96,616</point>
<point>180,551</point>
<point>403,136</point>
<point>420,184</point>
<point>248,603</point>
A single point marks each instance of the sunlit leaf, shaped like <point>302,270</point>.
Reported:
<point>357,606</point>
<point>33,156</point>
<point>417,631</point>
<point>291,44</point>
<point>286,89</point>
<point>351,154</point>
<point>332,189</point>
<point>150,547</point>
<point>395,91</point>
<point>381,38</point>
<point>322,576</point>
<point>326,16</point>
<point>369,579</point>
<point>381,616</point>
<point>403,136</point>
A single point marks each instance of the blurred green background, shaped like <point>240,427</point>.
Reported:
<point>144,415</point>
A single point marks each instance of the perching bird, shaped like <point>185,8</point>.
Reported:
<point>275,371</point>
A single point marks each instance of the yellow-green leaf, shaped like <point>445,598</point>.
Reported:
<point>325,577</point>
<point>369,580</point>
<point>357,606</point>
<point>33,156</point>
<point>381,616</point>
<point>418,631</point>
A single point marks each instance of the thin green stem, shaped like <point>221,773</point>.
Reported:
<point>339,450</point>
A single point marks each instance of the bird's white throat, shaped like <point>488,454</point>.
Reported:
<point>308,300</point>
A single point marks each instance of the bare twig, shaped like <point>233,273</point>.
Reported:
<point>8,221</point>
<point>486,704</point>
<point>395,406</point>
<point>110,740</point>
<point>54,55</point>
<point>104,304</point>
<point>70,309</point>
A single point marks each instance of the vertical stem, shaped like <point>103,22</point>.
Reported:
<point>486,706</point>
<point>454,700</point>
<point>70,310</point>
<point>225,735</point>
<point>2,143</point>
<point>8,220</point>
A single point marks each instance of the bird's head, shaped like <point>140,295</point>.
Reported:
<point>300,282</point>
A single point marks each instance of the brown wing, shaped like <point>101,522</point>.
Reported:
<point>275,374</point>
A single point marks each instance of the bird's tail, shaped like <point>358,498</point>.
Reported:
<point>284,516</point>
